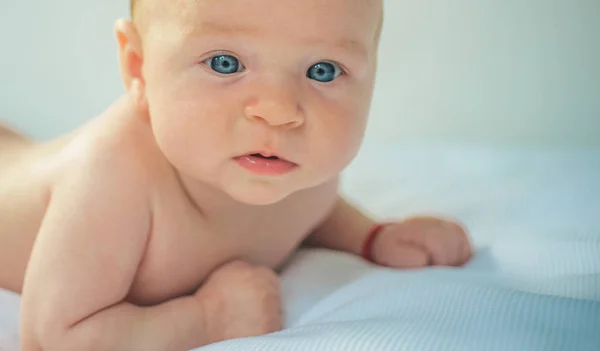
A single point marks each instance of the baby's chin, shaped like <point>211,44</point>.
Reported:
<point>268,191</point>
<point>257,193</point>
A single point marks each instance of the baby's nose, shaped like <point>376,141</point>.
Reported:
<point>276,105</point>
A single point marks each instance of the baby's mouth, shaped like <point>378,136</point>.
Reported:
<point>269,165</point>
<point>265,157</point>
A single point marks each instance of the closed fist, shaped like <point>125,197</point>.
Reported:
<point>240,300</point>
<point>422,241</point>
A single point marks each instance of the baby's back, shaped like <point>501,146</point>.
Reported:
<point>24,190</point>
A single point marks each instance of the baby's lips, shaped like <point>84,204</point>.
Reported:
<point>267,155</point>
<point>264,166</point>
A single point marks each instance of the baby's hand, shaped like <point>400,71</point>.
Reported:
<point>421,241</point>
<point>240,300</point>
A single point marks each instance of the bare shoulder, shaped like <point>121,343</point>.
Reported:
<point>116,146</point>
<point>111,164</point>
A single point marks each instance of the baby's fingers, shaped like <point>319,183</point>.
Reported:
<point>404,256</point>
<point>457,237</point>
<point>443,240</point>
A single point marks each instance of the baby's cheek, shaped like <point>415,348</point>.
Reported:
<point>338,144</point>
<point>348,130</point>
<point>176,127</point>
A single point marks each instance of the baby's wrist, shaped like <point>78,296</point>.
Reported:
<point>369,242</point>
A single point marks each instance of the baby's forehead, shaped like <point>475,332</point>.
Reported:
<point>153,10</point>
<point>203,15</point>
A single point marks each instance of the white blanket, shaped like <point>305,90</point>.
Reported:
<point>534,283</point>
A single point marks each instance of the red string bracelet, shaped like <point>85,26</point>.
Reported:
<point>367,247</point>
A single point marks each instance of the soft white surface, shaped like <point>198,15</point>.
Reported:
<point>534,283</point>
<point>503,71</point>
<point>9,321</point>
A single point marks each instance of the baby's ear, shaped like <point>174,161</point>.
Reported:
<point>130,54</point>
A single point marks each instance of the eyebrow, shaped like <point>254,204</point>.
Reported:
<point>212,28</point>
<point>350,45</point>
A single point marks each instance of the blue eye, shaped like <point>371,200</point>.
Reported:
<point>224,64</point>
<point>324,72</point>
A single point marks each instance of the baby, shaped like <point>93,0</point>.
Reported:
<point>160,223</point>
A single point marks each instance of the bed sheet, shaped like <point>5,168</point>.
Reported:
<point>534,283</point>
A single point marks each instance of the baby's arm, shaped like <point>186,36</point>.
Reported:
<point>344,229</point>
<point>90,244</point>
<point>413,242</point>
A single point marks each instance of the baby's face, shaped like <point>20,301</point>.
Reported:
<point>229,80</point>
